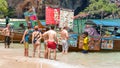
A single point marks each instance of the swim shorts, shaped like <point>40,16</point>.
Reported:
<point>51,45</point>
<point>26,45</point>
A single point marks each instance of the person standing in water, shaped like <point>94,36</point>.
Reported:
<point>36,37</point>
<point>7,32</point>
<point>85,43</point>
<point>51,42</point>
<point>45,42</point>
<point>25,40</point>
<point>64,38</point>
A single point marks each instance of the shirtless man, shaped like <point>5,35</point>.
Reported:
<point>51,42</point>
<point>36,37</point>
<point>64,38</point>
<point>6,33</point>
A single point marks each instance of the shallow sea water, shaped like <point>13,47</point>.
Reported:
<point>90,60</point>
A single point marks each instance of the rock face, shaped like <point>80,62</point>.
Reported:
<point>13,3</point>
<point>20,5</point>
<point>76,5</point>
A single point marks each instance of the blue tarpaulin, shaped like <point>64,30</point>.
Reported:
<point>108,22</point>
<point>43,23</point>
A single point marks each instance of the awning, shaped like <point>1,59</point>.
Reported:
<point>105,22</point>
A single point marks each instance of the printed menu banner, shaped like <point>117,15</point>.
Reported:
<point>107,44</point>
<point>52,15</point>
<point>66,18</point>
<point>73,39</point>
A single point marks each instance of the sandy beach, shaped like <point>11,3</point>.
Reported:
<point>13,58</point>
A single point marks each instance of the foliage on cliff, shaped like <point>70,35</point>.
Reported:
<point>101,8</point>
<point>3,8</point>
<point>95,8</point>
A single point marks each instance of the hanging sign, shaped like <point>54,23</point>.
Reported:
<point>52,15</point>
<point>66,18</point>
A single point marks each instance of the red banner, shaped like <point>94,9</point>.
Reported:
<point>52,15</point>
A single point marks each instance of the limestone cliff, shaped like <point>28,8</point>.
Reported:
<point>21,5</point>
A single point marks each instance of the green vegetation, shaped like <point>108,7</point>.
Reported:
<point>101,8</point>
<point>3,8</point>
<point>96,8</point>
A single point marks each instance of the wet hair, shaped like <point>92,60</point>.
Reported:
<point>47,28</point>
<point>52,27</point>
<point>28,27</point>
<point>85,33</point>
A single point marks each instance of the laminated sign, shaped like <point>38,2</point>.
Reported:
<point>66,18</point>
<point>107,44</point>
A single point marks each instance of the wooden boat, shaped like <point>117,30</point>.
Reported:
<point>15,36</point>
<point>94,45</point>
<point>105,42</point>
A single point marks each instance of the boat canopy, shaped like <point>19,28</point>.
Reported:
<point>104,22</point>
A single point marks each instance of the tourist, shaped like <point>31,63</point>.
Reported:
<point>36,37</point>
<point>7,32</point>
<point>64,40</point>
<point>85,42</point>
<point>51,42</point>
<point>45,42</point>
<point>25,40</point>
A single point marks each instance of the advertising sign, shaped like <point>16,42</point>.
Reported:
<point>73,39</point>
<point>107,44</point>
<point>66,18</point>
<point>52,15</point>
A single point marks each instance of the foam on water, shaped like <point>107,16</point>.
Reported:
<point>53,63</point>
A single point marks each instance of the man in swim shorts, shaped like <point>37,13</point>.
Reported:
<point>64,38</point>
<point>52,41</point>
<point>6,32</point>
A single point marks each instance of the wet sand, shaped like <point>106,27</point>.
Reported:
<point>14,58</point>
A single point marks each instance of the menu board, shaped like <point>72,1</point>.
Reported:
<point>73,39</point>
<point>107,44</point>
<point>94,43</point>
<point>66,18</point>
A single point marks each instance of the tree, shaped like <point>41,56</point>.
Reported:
<point>101,8</point>
<point>3,8</point>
